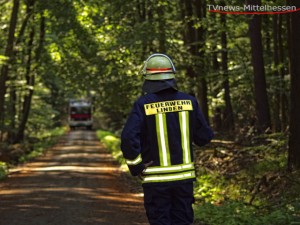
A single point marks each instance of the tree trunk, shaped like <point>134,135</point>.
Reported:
<point>9,54</point>
<point>30,80</point>
<point>150,19</point>
<point>29,12</point>
<point>294,55</point>
<point>194,40</point>
<point>39,49</point>
<point>12,92</point>
<point>161,29</point>
<point>189,40</point>
<point>276,114</point>
<point>200,6</point>
<point>202,95</point>
<point>260,86</point>
<point>228,122</point>
<point>282,56</point>
<point>30,77</point>
<point>12,114</point>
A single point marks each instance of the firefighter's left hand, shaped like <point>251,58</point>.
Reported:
<point>146,166</point>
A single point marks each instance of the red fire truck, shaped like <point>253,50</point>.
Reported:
<point>80,114</point>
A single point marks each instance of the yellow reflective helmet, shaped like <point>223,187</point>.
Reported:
<point>158,67</point>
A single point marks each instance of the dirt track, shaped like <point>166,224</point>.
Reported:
<point>75,183</point>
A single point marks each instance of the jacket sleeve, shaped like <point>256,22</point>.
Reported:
<point>130,141</point>
<point>202,133</point>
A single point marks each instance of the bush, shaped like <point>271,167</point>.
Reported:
<point>42,142</point>
<point>237,213</point>
<point>112,143</point>
<point>3,170</point>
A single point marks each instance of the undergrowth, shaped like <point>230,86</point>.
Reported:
<point>32,147</point>
<point>238,213</point>
<point>112,143</point>
<point>3,170</point>
<point>246,185</point>
<point>44,141</point>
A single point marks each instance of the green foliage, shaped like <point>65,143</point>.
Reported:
<point>41,120</point>
<point>112,143</point>
<point>249,185</point>
<point>3,59</point>
<point>43,141</point>
<point>3,170</point>
<point>209,188</point>
<point>237,213</point>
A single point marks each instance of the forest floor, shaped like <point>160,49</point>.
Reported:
<point>76,182</point>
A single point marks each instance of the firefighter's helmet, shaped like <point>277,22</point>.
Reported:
<point>158,67</point>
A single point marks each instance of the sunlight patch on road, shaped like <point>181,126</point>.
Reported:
<point>82,169</point>
<point>78,147</point>
<point>126,197</point>
<point>84,155</point>
<point>15,191</point>
<point>73,168</point>
<point>27,207</point>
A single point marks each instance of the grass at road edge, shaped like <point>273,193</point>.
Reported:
<point>112,143</point>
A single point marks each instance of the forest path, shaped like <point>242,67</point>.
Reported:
<point>75,183</point>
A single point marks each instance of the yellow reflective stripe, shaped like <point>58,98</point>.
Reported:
<point>169,177</point>
<point>136,161</point>
<point>185,135</point>
<point>162,138</point>
<point>169,169</point>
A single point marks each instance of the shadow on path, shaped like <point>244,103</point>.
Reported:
<point>76,183</point>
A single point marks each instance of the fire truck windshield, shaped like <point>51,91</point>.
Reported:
<point>81,110</point>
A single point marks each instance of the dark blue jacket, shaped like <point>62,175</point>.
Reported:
<point>161,128</point>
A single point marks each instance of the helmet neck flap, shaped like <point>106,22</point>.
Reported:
<point>154,86</point>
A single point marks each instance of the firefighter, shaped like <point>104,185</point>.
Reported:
<point>157,143</point>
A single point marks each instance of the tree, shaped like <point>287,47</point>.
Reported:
<point>13,105</point>
<point>276,35</point>
<point>9,51</point>
<point>279,71</point>
<point>30,73</point>
<point>228,122</point>
<point>193,12</point>
<point>260,86</point>
<point>202,89</point>
<point>294,55</point>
